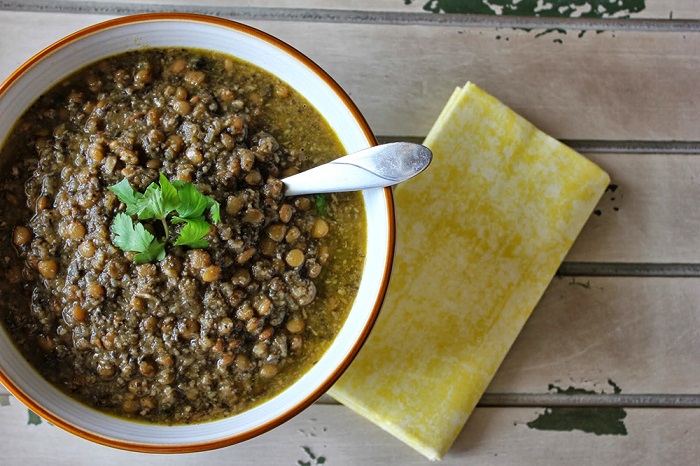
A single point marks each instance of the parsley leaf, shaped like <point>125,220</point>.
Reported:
<point>192,234</point>
<point>151,202</point>
<point>214,209</point>
<point>127,195</point>
<point>158,202</point>
<point>136,238</point>
<point>192,202</point>
<point>171,198</point>
<point>155,251</point>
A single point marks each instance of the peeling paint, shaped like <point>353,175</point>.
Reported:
<point>538,8</point>
<point>33,418</point>
<point>313,458</point>
<point>597,9</point>
<point>592,420</point>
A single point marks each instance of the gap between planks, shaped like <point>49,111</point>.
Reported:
<point>598,400</point>
<point>511,400</point>
<point>363,17</point>
<point>626,269</point>
<point>602,146</point>
<point>539,400</point>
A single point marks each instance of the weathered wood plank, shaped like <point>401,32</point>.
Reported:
<point>663,9</point>
<point>625,85</point>
<point>643,334</point>
<point>24,34</point>
<point>560,20</point>
<point>566,398</point>
<point>331,434</point>
<point>649,214</point>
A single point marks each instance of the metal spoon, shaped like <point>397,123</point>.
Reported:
<point>375,167</point>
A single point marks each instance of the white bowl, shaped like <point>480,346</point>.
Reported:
<point>54,63</point>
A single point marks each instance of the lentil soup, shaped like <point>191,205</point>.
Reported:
<point>206,331</point>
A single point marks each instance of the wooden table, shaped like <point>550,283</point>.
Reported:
<point>606,370</point>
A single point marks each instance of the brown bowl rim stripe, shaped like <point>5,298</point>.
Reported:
<point>305,403</point>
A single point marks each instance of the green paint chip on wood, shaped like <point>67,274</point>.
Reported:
<point>598,421</point>
<point>538,8</point>
<point>592,420</point>
<point>33,419</point>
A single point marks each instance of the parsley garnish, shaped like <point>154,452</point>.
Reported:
<point>321,206</point>
<point>177,202</point>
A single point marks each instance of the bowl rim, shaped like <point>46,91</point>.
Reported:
<point>46,413</point>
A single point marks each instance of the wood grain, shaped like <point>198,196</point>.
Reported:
<point>627,85</point>
<point>340,437</point>
<point>641,333</point>
<point>649,214</point>
<point>661,9</point>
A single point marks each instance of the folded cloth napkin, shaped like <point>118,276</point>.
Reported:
<point>480,235</point>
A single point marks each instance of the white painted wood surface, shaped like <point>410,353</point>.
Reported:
<point>641,334</point>
<point>337,436</point>
<point>651,216</point>
<point>659,9</point>
<point>627,85</point>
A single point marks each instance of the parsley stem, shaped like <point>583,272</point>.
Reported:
<point>165,227</point>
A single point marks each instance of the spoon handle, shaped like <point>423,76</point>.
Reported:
<point>375,167</point>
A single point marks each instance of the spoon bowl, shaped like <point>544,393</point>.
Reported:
<point>375,167</point>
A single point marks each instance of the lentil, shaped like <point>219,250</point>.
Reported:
<point>48,268</point>
<point>95,290</point>
<point>320,228</point>
<point>211,273</point>
<point>21,236</point>
<point>79,313</point>
<point>294,258</point>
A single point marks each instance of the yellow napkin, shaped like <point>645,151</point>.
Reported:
<point>480,234</point>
